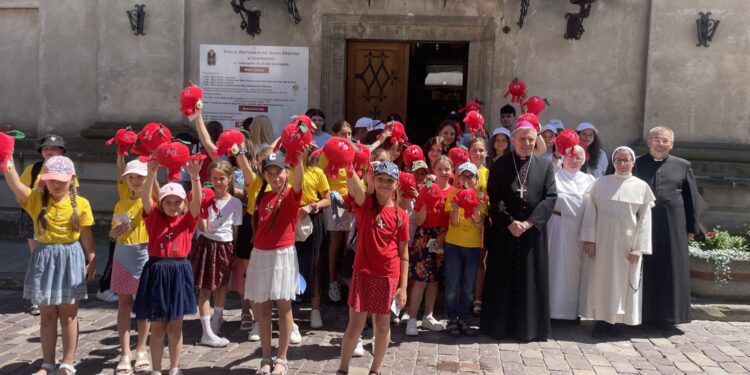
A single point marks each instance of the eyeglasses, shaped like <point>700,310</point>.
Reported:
<point>622,161</point>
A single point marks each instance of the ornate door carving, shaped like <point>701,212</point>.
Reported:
<point>377,79</point>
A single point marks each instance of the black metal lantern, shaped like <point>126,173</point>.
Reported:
<point>575,28</point>
<point>137,17</point>
<point>706,28</point>
<point>250,17</point>
<point>524,10</point>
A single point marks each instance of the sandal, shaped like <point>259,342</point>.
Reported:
<point>453,328</point>
<point>45,369</point>
<point>69,369</point>
<point>175,371</point>
<point>124,367</point>
<point>246,323</point>
<point>142,362</point>
<point>373,372</point>
<point>280,362</point>
<point>265,362</point>
<point>466,329</point>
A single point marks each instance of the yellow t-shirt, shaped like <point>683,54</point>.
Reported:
<point>466,233</point>
<point>26,177</point>
<point>133,208</point>
<point>337,184</point>
<point>59,228</point>
<point>314,181</point>
<point>482,175</point>
<point>123,191</point>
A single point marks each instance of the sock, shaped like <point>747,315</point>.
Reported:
<point>206,324</point>
<point>218,312</point>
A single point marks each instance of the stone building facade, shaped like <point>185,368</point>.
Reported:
<point>74,67</point>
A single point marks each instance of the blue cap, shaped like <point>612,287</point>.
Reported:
<point>388,168</point>
<point>468,166</point>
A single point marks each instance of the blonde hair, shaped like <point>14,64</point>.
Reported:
<point>261,130</point>
<point>225,167</point>
<point>443,159</point>
<point>75,220</point>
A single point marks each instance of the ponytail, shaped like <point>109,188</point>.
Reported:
<point>41,219</point>
<point>75,220</point>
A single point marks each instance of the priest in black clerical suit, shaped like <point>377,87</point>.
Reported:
<point>675,218</point>
<point>522,193</point>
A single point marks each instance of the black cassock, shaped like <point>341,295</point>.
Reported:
<point>516,285</point>
<point>666,274</point>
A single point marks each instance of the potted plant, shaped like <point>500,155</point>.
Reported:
<point>720,266</point>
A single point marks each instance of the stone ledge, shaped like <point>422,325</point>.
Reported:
<point>717,311</point>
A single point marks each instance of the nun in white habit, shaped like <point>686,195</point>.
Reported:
<point>564,246</point>
<point>616,232</point>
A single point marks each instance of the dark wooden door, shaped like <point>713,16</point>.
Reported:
<point>377,79</point>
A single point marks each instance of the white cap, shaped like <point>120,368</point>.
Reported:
<point>378,125</point>
<point>586,125</point>
<point>501,130</point>
<point>364,122</point>
<point>171,188</point>
<point>467,167</point>
<point>135,167</point>
<point>551,128</point>
<point>557,123</point>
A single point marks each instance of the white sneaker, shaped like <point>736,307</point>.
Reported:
<point>359,350</point>
<point>411,327</point>
<point>315,320</point>
<point>334,292</point>
<point>106,296</point>
<point>429,322</point>
<point>254,333</point>
<point>405,314</point>
<point>395,319</point>
<point>296,337</point>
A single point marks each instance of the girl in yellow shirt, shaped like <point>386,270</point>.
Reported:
<point>57,272</point>
<point>477,155</point>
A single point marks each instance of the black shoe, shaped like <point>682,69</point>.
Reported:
<point>613,331</point>
<point>453,328</point>
<point>601,330</point>
<point>466,329</point>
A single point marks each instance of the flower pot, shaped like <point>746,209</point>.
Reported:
<point>704,283</point>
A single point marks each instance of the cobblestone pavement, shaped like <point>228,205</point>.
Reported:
<point>705,347</point>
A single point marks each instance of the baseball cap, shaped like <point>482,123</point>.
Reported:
<point>364,122</point>
<point>551,128</point>
<point>135,167</point>
<point>501,130</point>
<point>586,125</point>
<point>275,160</point>
<point>388,168</point>
<point>51,140</point>
<point>58,168</point>
<point>418,164</point>
<point>171,188</point>
<point>378,125</point>
<point>468,166</point>
<point>557,123</point>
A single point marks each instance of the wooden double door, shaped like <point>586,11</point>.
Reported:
<point>377,79</point>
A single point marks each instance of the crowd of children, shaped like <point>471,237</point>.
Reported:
<point>260,226</point>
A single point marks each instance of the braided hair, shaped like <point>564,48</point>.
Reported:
<point>75,220</point>
<point>41,219</point>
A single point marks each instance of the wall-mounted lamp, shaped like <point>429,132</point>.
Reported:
<point>291,6</point>
<point>706,28</point>
<point>137,18</point>
<point>575,28</point>
<point>524,10</point>
<point>250,17</point>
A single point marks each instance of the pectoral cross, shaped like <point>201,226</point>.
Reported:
<point>521,190</point>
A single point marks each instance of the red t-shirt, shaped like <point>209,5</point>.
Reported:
<point>169,237</point>
<point>378,237</point>
<point>282,233</point>
<point>440,219</point>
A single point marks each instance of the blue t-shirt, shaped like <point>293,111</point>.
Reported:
<point>321,139</point>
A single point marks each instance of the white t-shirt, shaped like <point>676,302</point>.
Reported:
<point>219,224</point>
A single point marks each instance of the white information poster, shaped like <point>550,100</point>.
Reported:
<point>248,81</point>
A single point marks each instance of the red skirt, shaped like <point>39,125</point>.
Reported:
<point>212,263</point>
<point>371,293</point>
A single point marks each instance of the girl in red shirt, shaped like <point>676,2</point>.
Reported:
<point>273,271</point>
<point>381,262</point>
<point>165,290</point>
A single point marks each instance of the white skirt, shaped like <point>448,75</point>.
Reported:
<point>272,275</point>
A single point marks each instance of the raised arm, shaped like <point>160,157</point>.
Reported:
<point>120,166</point>
<point>194,168</point>
<point>354,185</point>
<point>200,128</point>
<point>247,170</point>
<point>299,169</point>
<point>148,203</point>
<point>20,190</point>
